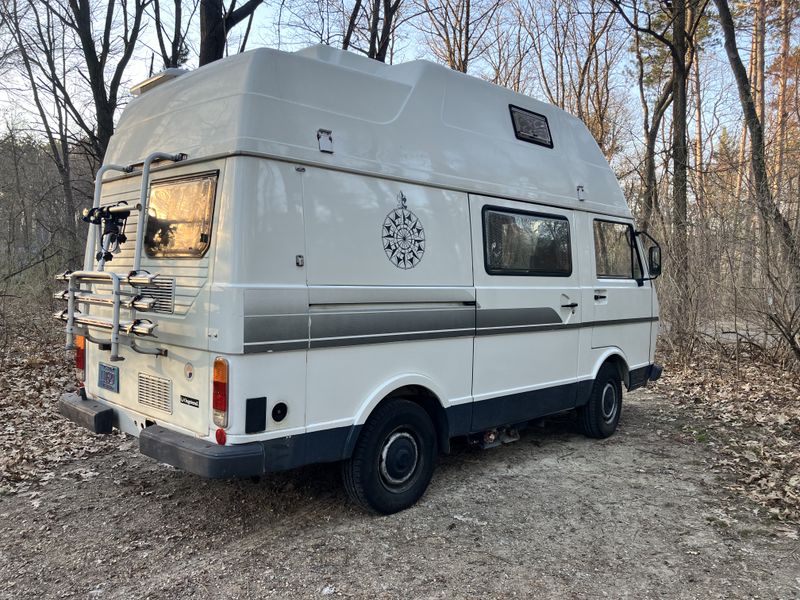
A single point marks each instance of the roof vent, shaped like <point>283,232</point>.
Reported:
<point>158,79</point>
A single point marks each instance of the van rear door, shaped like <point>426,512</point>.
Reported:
<point>179,246</point>
<point>529,312</point>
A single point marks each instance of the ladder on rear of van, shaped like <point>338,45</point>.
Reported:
<point>106,231</point>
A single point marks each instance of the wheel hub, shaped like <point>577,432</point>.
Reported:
<point>609,404</point>
<point>399,458</point>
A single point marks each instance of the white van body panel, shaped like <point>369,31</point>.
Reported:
<point>415,121</point>
<point>336,279</point>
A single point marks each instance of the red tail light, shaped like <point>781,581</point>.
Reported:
<point>80,357</point>
<point>219,392</point>
<point>222,437</point>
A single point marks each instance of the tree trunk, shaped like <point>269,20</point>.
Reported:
<point>699,166</point>
<point>679,153</point>
<point>212,31</point>
<point>763,195</point>
<point>786,29</point>
<point>216,22</point>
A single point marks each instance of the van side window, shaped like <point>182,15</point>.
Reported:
<point>521,243</point>
<point>615,251</point>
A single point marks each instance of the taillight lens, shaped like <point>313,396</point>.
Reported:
<point>80,358</point>
<point>219,392</point>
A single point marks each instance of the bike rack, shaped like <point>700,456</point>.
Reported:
<point>132,300</point>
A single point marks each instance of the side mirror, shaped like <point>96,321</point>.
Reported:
<point>654,261</point>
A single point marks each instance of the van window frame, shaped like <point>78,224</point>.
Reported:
<point>634,251</point>
<point>503,273</point>
<point>171,179</point>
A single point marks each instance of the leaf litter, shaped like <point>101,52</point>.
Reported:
<point>34,438</point>
<point>752,423</point>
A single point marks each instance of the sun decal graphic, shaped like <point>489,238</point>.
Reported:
<point>403,236</point>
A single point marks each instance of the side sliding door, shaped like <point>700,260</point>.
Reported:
<point>529,312</point>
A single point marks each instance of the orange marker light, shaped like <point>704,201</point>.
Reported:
<point>80,357</point>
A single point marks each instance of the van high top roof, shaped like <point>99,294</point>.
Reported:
<point>415,121</point>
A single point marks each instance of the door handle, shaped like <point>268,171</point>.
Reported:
<point>600,297</point>
<point>572,305</point>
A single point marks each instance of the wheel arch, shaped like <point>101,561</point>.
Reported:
<point>416,388</point>
<point>614,356</point>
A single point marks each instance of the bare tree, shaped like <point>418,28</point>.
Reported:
<point>172,45</point>
<point>53,35</point>
<point>41,45</point>
<point>768,210</point>
<point>683,19</point>
<point>120,32</point>
<point>216,21</point>
<point>509,50</point>
<point>456,31</point>
<point>577,47</point>
<point>786,19</point>
<point>651,122</point>
<point>371,26</point>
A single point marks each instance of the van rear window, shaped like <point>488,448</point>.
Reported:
<point>179,216</point>
<point>521,243</point>
<point>615,253</point>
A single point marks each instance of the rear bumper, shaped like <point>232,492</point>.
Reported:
<point>211,460</point>
<point>94,416</point>
<point>202,457</point>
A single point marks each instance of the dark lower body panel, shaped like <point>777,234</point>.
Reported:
<point>213,461</point>
<point>640,377</point>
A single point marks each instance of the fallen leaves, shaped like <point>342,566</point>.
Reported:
<point>753,421</point>
<point>36,370</point>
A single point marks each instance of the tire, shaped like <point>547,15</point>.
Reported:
<point>599,417</point>
<point>393,459</point>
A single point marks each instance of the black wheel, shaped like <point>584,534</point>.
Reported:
<point>599,417</point>
<point>393,459</point>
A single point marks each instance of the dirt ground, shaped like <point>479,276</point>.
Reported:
<point>640,515</point>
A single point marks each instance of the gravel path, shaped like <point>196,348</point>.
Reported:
<point>640,515</point>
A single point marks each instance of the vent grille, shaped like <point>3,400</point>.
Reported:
<point>155,392</point>
<point>163,290</point>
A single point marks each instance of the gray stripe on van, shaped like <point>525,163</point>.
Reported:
<point>275,301</point>
<point>516,317</point>
<point>394,337</point>
<point>275,346</point>
<point>388,294</point>
<point>275,328</point>
<point>354,323</point>
<point>341,326</point>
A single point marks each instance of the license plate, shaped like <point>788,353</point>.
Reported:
<point>108,378</point>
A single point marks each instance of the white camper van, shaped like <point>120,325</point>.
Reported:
<point>311,257</point>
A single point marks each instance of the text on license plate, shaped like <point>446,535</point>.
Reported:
<point>108,378</point>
